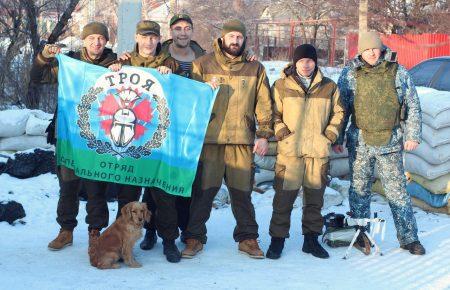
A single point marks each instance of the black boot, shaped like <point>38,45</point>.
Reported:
<point>171,251</point>
<point>414,248</point>
<point>311,246</point>
<point>149,240</point>
<point>275,248</point>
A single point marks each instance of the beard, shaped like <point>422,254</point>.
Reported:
<point>233,49</point>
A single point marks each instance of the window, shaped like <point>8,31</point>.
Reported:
<point>423,73</point>
<point>442,81</point>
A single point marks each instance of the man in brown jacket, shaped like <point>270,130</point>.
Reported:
<point>45,70</point>
<point>230,142</point>
<point>308,119</point>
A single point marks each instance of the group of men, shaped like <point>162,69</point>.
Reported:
<point>306,112</point>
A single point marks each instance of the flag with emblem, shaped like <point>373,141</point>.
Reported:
<point>134,126</point>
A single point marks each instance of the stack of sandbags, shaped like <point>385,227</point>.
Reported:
<point>23,129</point>
<point>429,165</point>
<point>265,165</point>
<point>339,166</point>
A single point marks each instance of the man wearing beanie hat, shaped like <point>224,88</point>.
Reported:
<point>379,95</point>
<point>308,116</point>
<point>45,71</point>
<point>241,112</point>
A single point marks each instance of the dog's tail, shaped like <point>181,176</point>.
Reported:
<point>93,258</point>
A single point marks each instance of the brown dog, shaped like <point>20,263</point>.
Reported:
<point>118,240</point>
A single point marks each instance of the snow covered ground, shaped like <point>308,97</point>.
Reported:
<point>26,263</point>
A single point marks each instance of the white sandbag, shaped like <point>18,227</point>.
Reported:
<point>339,155</point>
<point>436,137</point>
<point>24,142</point>
<point>41,115</point>
<point>13,122</point>
<point>331,198</point>
<point>417,165</point>
<point>436,155</point>
<point>339,167</point>
<point>265,162</point>
<point>435,107</point>
<point>36,126</point>
<point>263,176</point>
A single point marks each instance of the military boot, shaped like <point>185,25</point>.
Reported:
<point>311,246</point>
<point>64,239</point>
<point>251,248</point>
<point>275,248</point>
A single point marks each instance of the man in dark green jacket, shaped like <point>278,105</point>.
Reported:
<point>45,71</point>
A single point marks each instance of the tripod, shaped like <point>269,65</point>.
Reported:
<point>376,225</point>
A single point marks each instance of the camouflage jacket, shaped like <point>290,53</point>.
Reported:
<point>411,127</point>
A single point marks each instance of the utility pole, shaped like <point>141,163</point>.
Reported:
<point>363,8</point>
<point>130,13</point>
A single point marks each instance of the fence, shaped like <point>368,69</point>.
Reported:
<point>411,48</point>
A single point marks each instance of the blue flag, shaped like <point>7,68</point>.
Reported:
<point>134,126</point>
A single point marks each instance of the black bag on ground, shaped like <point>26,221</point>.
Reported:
<point>31,164</point>
<point>11,211</point>
<point>337,234</point>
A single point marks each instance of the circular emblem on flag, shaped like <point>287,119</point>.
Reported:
<point>124,114</point>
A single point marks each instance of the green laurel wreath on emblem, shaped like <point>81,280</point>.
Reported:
<point>104,147</point>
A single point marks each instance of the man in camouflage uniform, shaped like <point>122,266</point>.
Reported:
<point>378,94</point>
<point>230,144</point>
<point>45,71</point>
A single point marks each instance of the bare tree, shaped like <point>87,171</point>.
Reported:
<point>409,16</point>
<point>208,16</point>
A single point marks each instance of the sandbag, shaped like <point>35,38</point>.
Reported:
<point>263,176</point>
<point>339,167</point>
<point>334,155</point>
<point>265,162</point>
<point>417,165</point>
<point>13,123</point>
<point>440,185</point>
<point>436,155</point>
<point>435,106</point>
<point>435,137</point>
<point>24,142</point>
<point>36,126</point>
<point>434,200</point>
<point>30,164</point>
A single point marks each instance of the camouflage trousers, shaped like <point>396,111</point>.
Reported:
<point>390,169</point>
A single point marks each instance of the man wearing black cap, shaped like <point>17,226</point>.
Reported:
<point>181,46</point>
<point>45,71</point>
<point>230,142</point>
<point>308,117</point>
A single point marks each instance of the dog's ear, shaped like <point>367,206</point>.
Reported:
<point>126,211</point>
<point>147,213</point>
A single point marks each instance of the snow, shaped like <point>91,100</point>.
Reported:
<point>273,69</point>
<point>27,263</point>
